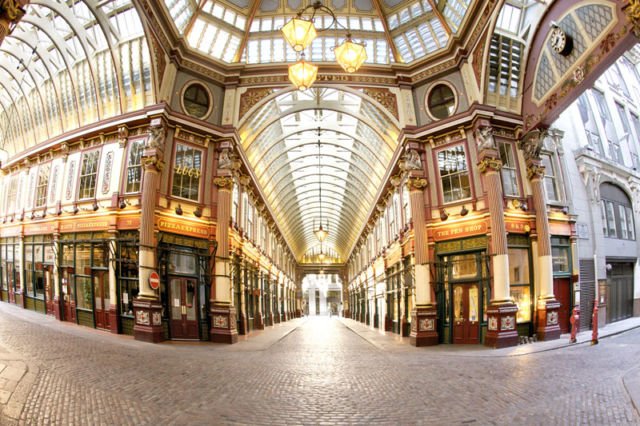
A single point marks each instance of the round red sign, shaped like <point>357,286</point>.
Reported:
<point>154,280</point>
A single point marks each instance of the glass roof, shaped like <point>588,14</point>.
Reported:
<point>324,140</point>
<point>67,64</point>
<point>243,31</point>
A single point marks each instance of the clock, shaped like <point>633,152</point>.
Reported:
<point>561,42</point>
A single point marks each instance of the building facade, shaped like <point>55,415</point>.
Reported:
<point>162,178</point>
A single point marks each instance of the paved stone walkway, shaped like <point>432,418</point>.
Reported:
<point>306,371</point>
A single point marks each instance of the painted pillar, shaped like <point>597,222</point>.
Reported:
<point>147,306</point>
<point>547,306</point>
<point>258,320</point>
<point>423,315</point>
<point>57,307</point>
<point>501,312</point>
<point>223,313</point>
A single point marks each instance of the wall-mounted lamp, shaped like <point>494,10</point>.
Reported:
<point>122,204</point>
<point>95,206</point>
<point>444,215</point>
<point>565,210</point>
<point>464,211</point>
<point>179,210</point>
<point>197,212</point>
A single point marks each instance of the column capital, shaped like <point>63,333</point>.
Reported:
<point>223,182</point>
<point>535,171</point>
<point>152,163</point>
<point>489,164</point>
<point>417,183</point>
<point>410,160</point>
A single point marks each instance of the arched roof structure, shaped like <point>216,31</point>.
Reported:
<point>69,64</point>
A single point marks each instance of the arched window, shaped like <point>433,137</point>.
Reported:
<point>617,213</point>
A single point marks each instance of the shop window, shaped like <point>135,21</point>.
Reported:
<point>509,171</point>
<point>519,280</point>
<point>454,174</point>
<point>42,185</point>
<point>186,172</point>
<point>464,266</point>
<point>441,101</point>
<point>127,271</point>
<point>617,213</point>
<point>88,175</point>
<point>182,263</point>
<point>560,255</point>
<point>196,101</point>
<point>134,166</point>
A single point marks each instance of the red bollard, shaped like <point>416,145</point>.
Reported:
<point>575,323</point>
<point>594,319</point>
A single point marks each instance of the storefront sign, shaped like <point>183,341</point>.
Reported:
<point>559,228</point>
<point>183,227</point>
<point>128,222</point>
<point>459,230</point>
<point>517,227</point>
<point>85,225</point>
<point>10,232</point>
<point>41,229</point>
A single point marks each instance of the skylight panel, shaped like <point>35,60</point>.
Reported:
<point>181,12</point>
<point>509,18</point>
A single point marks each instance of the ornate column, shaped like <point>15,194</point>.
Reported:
<point>258,319</point>
<point>57,308</point>
<point>113,294</point>
<point>547,306</point>
<point>147,306</point>
<point>424,331</point>
<point>222,311</point>
<point>501,312</point>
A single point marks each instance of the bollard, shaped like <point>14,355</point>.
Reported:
<point>575,323</point>
<point>594,324</point>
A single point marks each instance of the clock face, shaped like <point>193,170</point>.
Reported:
<point>561,42</point>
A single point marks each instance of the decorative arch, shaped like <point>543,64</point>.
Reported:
<point>332,140</point>
<point>601,32</point>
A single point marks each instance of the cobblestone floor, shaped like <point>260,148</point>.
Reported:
<point>320,373</point>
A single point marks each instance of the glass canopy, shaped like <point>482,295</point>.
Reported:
<point>70,63</point>
<point>335,139</point>
<point>249,31</point>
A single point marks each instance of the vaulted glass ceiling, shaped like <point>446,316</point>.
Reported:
<point>249,31</point>
<point>336,140</point>
<point>70,63</point>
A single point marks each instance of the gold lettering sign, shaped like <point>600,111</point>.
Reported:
<point>183,228</point>
<point>460,231</point>
<point>187,171</point>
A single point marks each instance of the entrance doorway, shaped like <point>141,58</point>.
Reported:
<point>619,291</point>
<point>562,292</point>
<point>183,297</point>
<point>66,295</point>
<point>466,313</point>
<point>101,295</point>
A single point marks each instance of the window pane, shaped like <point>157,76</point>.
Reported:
<point>186,172</point>
<point>88,175</point>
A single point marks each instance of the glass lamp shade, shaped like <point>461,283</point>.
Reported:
<point>321,257</point>
<point>321,234</point>
<point>302,74</point>
<point>299,33</point>
<point>350,55</point>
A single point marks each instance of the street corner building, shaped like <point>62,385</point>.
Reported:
<point>453,171</point>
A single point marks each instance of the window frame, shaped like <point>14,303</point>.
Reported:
<point>467,170</point>
<point>202,170</point>
<point>40,200</point>
<point>80,176</point>
<point>513,169</point>
<point>128,165</point>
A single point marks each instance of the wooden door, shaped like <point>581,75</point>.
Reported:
<point>466,313</point>
<point>562,292</point>
<point>184,308</point>
<point>66,295</point>
<point>48,289</point>
<point>101,299</point>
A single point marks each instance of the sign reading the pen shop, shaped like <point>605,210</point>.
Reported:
<point>461,230</point>
<point>184,228</point>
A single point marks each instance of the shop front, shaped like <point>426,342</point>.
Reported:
<point>462,287</point>
<point>185,268</point>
